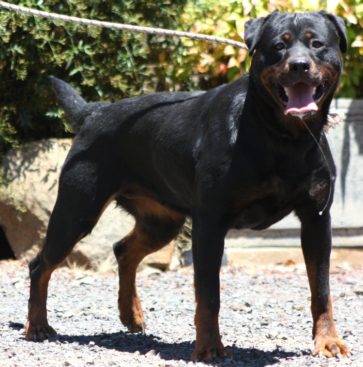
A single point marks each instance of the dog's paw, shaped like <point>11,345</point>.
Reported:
<point>134,327</point>
<point>207,353</point>
<point>133,321</point>
<point>38,333</point>
<point>330,347</point>
<point>131,314</point>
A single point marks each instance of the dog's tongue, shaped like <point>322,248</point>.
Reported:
<point>301,99</point>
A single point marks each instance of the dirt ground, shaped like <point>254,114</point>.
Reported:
<point>265,315</point>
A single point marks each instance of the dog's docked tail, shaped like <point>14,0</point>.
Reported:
<point>72,103</point>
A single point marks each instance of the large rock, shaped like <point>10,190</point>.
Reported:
<point>26,202</point>
<point>32,174</point>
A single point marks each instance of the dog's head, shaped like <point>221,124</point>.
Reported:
<point>296,59</point>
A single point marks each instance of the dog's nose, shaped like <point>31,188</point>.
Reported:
<point>301,65</point>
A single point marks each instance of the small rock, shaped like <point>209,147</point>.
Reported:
<point>151,352</point>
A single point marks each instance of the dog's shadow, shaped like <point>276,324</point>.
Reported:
<point>142,343</point>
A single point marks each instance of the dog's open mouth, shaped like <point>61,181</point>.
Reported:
<point>301,99</point>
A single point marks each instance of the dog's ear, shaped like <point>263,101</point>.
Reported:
<point>340,27</point>
<point>253,31</point>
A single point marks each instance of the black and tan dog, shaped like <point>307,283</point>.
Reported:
<point>243,155</point>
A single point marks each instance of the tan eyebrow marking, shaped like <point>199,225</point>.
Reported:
<point>309,35</point>
<point>286,36</point>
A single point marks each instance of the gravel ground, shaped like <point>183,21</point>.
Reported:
<point>265,319</point>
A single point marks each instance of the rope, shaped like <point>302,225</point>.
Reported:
<point>119,26</point>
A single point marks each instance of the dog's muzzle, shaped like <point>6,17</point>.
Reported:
<point>300,87</point>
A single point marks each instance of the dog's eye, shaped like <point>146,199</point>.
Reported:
<point>317,44</point>
<point>279,46</point>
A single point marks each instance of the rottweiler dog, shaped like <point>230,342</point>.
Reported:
<point>242,155</point>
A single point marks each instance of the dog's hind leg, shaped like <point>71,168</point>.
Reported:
<point>129,252</point>
<point>154,228</point>
<point>81,199</point>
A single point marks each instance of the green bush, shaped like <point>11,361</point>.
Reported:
<point>106,65</point>
<point>103,63</point>
<point>227,19</point>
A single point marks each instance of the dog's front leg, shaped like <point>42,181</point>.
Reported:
<point>208,244</point>
<point>316,245</point>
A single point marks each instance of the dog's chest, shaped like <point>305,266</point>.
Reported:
<point>267,203</point>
